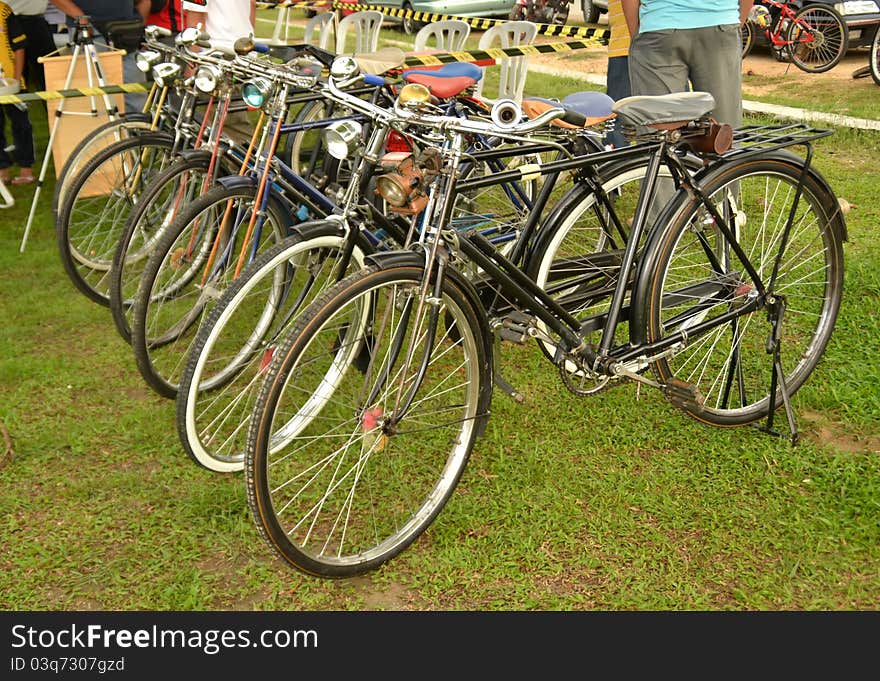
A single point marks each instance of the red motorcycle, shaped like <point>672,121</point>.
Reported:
<point>541,11</point>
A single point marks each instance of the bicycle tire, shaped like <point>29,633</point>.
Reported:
<point>169,192</point>
<point>830,37</point>
<point>874,57</point>
<point>85,149</point>
<point>747,34</point>
<point>97,204</point>
<point>175,294</point>
<point>231,350</point>
<point>408,469</point>
<point>728,367</point>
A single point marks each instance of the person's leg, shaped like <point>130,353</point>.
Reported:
<point>23,137</point>
<point>716,67</point>
<point>132,74</point>
<point>655,63</point>
<point>39,44</point>
<point>617,87</point>
<point>5,158</point>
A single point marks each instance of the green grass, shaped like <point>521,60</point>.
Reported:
<point>617,502</point>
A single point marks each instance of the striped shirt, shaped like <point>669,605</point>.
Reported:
<point>11,39</point>
<point>618,44</point>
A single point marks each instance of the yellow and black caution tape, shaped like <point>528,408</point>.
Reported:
<point>599,33</point>
<point>434,59</point>
<point>47,95</point>
<point>496,53</point>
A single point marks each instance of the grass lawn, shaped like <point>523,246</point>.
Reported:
<point>617,502</point>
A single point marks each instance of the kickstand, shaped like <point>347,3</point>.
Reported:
<point>775,314</point>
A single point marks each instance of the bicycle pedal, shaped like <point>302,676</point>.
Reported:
<point>514,335</point>
<point>516,328</point>
<point>683,394</point>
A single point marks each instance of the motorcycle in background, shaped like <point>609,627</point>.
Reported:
<point>541,11</point>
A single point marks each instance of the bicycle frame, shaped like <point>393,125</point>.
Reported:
<point>628,359</point>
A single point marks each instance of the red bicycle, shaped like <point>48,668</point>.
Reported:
<point>813,37</point>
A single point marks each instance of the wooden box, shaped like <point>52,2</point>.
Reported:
<point>76,121</point>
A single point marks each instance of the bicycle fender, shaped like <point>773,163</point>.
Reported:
<point>238,181</point>
<point>317,228</point>
<point>389,259</point>
<point>250,182</point>
<point>196,155</point>
<point>138,117</point>
<point>832,207</point>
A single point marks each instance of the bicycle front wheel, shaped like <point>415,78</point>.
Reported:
<point>97,205</point>
<point>232,349</point>
<point>818,38</point>
<point>747,35</point>
<point>170,193</point>
<point>696,278</point>
<point>366,420</point>
<point>191,266</point>
<point>87,148</point>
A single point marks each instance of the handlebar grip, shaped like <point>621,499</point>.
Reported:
<point>574,118</point>
<point>261,48</point>
<point>160,30</point>
<point>370,79</point>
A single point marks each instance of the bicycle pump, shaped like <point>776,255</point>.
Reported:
<point>83,45</point>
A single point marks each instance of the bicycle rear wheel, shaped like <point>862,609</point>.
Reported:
<point>874,57</point>
<point>818,38</point>
<point>339,481</point>
<point>694,277</point>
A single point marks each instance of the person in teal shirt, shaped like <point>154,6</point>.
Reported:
<point>682,45</point>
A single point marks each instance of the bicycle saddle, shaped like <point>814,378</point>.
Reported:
<point>582,109</point>
<point>664,112</point>
<point>452,70</point>
<point>379,62</point>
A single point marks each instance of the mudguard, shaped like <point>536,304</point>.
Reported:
<point>248,181</point>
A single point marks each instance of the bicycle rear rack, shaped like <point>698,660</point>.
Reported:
<point>763,138</point>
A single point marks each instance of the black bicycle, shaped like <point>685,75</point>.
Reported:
<point>370,408</point>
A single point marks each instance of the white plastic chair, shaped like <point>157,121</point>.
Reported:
<point>322,24</point>
<point>448,35</point>
<point>281,27</point>
<point>366,31</point>
<point>513,69</point>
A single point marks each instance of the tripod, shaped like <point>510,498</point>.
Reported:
<point>83,45</point>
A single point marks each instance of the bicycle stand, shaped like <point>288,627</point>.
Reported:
<point>83,45</point>
<point>775,313</point>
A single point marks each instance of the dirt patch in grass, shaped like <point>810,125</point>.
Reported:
<point>826,432</point>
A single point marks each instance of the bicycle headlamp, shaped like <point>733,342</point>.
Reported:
<point>255,92</point>
<point>342,138</point>
<point>145,59</point>
<point>401,183</point>
<point>165,73</point>
<point>206,78</point>
<point>344,67</point>
<point>187,36</point>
